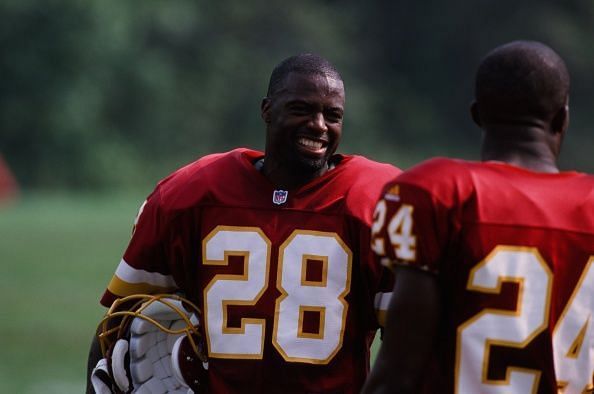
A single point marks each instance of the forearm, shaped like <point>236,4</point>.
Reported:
<point>381,382</point>
<point>94,357</point>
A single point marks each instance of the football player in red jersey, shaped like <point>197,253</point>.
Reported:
<point>494,260</point>
<point>273,247</point>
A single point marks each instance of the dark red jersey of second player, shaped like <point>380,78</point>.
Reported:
<point>514,253</point>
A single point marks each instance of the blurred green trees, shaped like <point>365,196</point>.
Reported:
<point>116,94</point>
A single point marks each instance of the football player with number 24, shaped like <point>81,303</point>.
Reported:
<point>494,260</point>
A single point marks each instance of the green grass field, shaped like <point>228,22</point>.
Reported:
<point>57,254</point>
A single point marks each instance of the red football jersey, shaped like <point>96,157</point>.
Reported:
<point>514,251</point>
<point>286,280</point>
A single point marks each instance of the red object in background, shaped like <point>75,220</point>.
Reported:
<point>9,188</point>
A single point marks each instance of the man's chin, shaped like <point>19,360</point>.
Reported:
<point>310,165</point>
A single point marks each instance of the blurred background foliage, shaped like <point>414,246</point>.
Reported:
<point>99,99</point>
<point>106,94</point>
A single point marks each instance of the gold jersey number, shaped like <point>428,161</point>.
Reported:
<point>573,336</point>
<point>299,295</point>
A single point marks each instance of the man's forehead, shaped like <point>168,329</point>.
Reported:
<point>318,82</point>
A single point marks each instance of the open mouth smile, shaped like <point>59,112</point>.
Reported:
<point>312,145</point>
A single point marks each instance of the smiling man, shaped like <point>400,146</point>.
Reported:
<point>273,248</point>
<point>303,114</point>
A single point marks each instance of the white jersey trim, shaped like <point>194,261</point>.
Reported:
<point>133,275</point>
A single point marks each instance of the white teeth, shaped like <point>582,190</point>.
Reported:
<point>316,145</point>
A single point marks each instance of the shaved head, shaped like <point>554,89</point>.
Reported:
<point>521,81</point>
<point>305,64</point>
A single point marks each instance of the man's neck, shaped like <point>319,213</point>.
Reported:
<point>286,178</point>
<point>521,147</point>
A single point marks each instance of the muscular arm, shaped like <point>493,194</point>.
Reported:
<point>411,325</point>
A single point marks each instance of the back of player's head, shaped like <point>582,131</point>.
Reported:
<point>305,63</point>
<point>519,81</point>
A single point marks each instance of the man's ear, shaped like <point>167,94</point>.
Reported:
<point>560,121</point>
<point>265,109</point>
<point>474,113</point>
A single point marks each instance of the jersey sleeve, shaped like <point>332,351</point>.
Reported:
<point>143,268</point>
<point>379,280</point>
<point>410,227</point>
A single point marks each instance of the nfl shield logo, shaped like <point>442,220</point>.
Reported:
<point>279,197</point>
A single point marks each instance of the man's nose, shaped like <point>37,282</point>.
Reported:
<point>318,122</point>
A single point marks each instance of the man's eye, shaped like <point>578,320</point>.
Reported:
<point>299,110</point>
<point>333,117</point>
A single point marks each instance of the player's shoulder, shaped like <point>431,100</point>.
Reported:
<point>215,161</point>
<point>582,181</point>
<point>445,179</point>
<point>364,172</point>
<point>437,170</point>
<point>193,180</point>
<point>363,180</point>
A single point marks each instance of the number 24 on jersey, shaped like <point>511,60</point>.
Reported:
<point>573,336</point>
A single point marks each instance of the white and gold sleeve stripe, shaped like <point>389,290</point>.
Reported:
<point>129,280</point>
<point>382,300</point>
